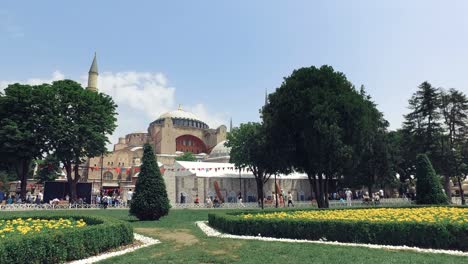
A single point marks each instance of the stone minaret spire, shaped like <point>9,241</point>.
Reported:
<point>93,76</point>
<point>230,125</point>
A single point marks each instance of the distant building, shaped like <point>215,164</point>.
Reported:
<point>172,134</point>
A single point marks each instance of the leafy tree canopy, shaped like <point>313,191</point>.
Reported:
<point>22,122</point>
<point>48,169</point>
<point>320,123</point>
<point>250,149</point>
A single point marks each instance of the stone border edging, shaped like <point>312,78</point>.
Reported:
<point>211,232</point>
<point>147,241</point>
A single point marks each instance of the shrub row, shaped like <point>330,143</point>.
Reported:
<point>100,234</point>
<point>425,235</point>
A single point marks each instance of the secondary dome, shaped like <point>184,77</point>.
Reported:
<point>219,153</point>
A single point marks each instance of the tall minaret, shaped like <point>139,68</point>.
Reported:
<point>230,125</point>
<point>93,76</point>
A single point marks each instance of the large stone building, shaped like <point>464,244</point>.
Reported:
<point>172,134</point>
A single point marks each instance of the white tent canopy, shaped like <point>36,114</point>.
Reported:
<point>220,170</point>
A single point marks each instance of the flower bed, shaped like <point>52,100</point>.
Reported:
<point>427,227</point>
<point>452,215</point>
<point>41,237</point>
<point>22,226</point>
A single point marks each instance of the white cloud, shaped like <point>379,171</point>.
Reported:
<point>143,91</point>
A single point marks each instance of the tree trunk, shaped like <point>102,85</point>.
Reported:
<point>462,194</point>
<point>312,189</point>
<point>327,204</point>
<point>22,167</point>
<point>317,192</point>
<point>72,183</point>
<point>72,188</point>
<point>448,192</point>
<point>260,191</point>
<point>321,192</point>
<point>315,185</point>
<point>276,194</point>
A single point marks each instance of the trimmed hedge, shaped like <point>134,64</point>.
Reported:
<point>428,187</point>
<point>62,245</point>
<point>425,235</point>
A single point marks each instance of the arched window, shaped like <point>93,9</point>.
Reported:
<point>107,176</point>
<point>301,196</point>
<point>232,197</point>
<point>251,198</point>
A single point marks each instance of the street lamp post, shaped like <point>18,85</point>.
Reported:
<point>102,168</point>
<point>240,182</point>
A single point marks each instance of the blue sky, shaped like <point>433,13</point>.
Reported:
<point>216,58</point>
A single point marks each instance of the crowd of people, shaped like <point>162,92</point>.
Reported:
<point>16,199</point>
<point>113,199</point>
<point>216,202</point>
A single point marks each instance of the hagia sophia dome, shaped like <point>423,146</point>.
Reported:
<point>182,118</point>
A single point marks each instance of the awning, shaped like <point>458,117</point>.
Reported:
<point>111,184</point>
<point>222,170</point>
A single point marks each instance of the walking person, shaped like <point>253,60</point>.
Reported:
<point>239,200</point>
<point>38,200</point>
<point>129,197</point>
<point>209,203</point>
<point>290,199</point>
<point>105,201</point>
<point>349,195</point>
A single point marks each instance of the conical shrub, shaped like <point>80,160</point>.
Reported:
<point>150,200</point>
<point>428,186</point>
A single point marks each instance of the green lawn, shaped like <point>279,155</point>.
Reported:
<point>183,242</point>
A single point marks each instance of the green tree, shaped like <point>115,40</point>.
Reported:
<point>187,156</point>
<point>22,118</point>
<point>150,201</point>
<point>402,159</point>
<point>4,179</point>
<point>249,149</point>
<point>49,169</point>
<point>428,186</point>
<point>423,128</point>
<point>317,121</point>
<point>373,166</point>
<point>454,108</point>
<point>81,122</point>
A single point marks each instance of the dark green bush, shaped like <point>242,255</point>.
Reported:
<point>428,187</point>
<point>425,235</point>
<point>62,245</point>
<point>150,201</point>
